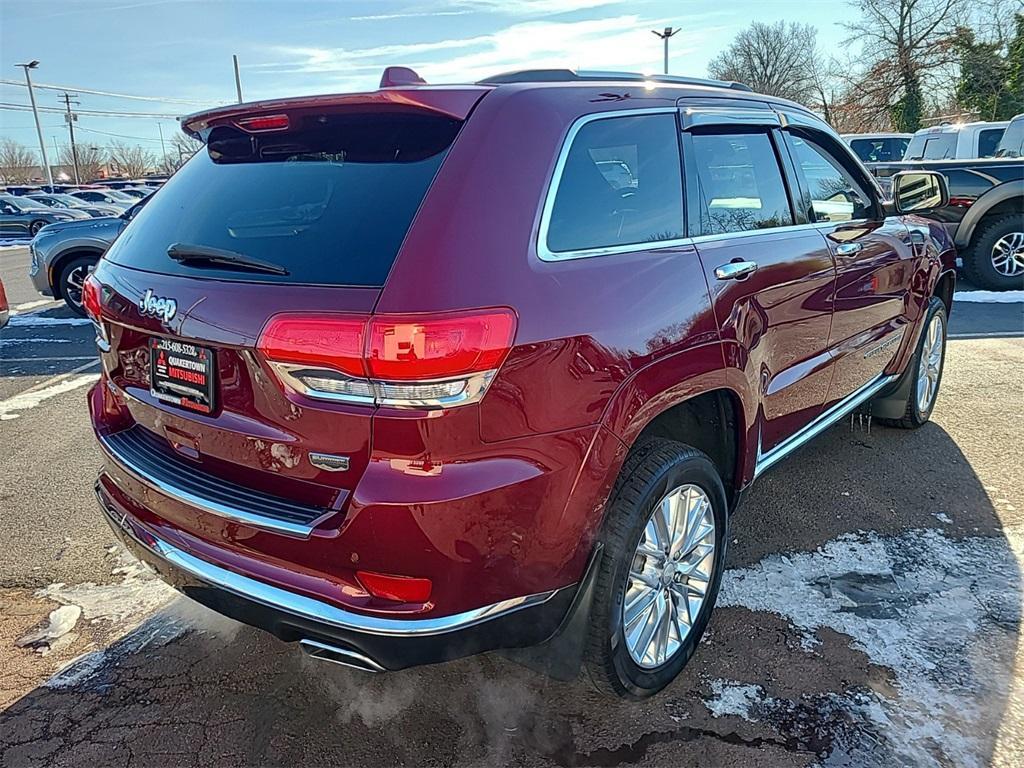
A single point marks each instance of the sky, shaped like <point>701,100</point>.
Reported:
<point>176,54</point>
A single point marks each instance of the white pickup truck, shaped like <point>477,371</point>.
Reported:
<point>956,141</point>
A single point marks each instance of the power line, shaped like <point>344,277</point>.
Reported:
<point>94,112</point>
<point>116,135</point>
<point>112,94</point>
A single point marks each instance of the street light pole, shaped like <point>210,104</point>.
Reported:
<point>669,32</point>
<point>238,79</point>
<point>35,113</point>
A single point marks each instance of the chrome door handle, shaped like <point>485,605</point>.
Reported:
<point>849,249</point>
<point>735,270</point>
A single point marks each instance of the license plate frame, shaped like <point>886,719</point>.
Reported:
<point>183,374</point>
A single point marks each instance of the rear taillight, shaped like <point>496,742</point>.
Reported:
<point>422,361</point>
<point>92,301</point>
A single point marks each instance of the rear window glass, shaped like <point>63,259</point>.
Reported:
<point>988,140</point>
<point>621,185</point>
<point>932,146</point>
<point>880,150</point>
<point>329,201</point>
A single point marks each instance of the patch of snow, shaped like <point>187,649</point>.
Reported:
<point>136,596</point>
<point>989,297</point>
<point>942,517</point>
<point>61,621</point>
<point>732,698</point>
<point>942,614</point>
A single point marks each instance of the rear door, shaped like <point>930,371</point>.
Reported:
<point>770,274</point>
<point>873,254</point>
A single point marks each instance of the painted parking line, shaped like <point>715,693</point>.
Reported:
<point>33,320</point>
<point>21,308</point>
<point>988,335</point>
<point>68,359</point>
<point>44,390</point>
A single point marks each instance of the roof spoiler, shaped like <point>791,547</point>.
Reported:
<point>569,75</point>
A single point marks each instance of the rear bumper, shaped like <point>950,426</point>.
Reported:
<point>385,643</point>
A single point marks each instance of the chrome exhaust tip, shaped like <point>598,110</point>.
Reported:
<point>337,655</point>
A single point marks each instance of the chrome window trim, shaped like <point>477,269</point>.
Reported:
<point>820,424</point>
<point>546,254</point>
<point>792,228</point>
<point>318,610</point>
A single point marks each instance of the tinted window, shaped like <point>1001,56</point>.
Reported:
<point>835,196</point>
<point>932,146</point>
<point>1013,139</point>
<point>988,140</point>
<point>330,203</point>
<point>621,185</point>
<point>739,183</point>
<point>882,150</point>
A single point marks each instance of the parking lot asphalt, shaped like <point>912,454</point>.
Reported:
<point>870,614</point>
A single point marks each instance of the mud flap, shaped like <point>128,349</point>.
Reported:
<point>561,655</point>
<point>892,403</point>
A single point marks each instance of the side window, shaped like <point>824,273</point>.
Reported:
<point>739,183</point>
<point>835,195</point>
<point>621,185</point>
<point>988,140</point>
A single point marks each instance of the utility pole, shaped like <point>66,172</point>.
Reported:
<point>669,32</point>
<point>238,80</point>
<point>163,149</point>
<point>70,117</point>
<point>35,113</point>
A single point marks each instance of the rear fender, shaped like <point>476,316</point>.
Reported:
<point>986,202</point>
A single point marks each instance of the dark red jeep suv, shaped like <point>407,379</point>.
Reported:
<point>417,373</point>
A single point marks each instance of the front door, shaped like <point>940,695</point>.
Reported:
<point>874,260</point>
<point>771,276</point>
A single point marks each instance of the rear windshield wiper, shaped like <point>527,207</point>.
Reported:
<point>185,253</point>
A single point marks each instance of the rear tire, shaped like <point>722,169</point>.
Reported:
<point>658,476</point>
<point>35,226</point>
<point>71,279</point>
<point>995,258</point>
<point>926,369</point>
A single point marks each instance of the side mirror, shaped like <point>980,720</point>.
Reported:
<point>919,191</point>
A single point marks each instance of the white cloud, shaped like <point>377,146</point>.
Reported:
<point>622,42</point>
<point>507,7</point>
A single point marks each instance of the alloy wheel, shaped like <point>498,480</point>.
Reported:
<point>1008,254</point>
<point>930,367</point>
<point>75,284</point>
<point>669,576</point>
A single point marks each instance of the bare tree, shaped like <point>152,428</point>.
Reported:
<point>183,147</point>
<point>907,43</point>
<point>17,162</point>
<point>91,160</point>
<point>780,59</point>
<point>130,160</point>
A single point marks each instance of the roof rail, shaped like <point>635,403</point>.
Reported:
<point>569,76</point>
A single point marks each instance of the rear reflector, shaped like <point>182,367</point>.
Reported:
<point>435,360</point>
<point>403,589</point>
<point>264,123</point>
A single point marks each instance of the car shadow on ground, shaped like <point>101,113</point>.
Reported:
<point>190,688</point>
